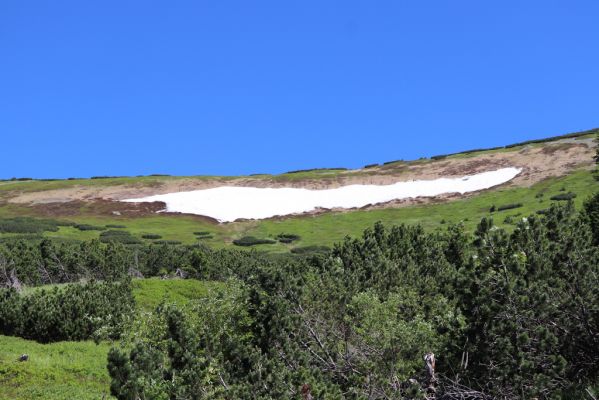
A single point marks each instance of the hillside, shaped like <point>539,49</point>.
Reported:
<point>83,208</point>
<point>493,290</point>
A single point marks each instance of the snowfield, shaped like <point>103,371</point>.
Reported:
<point>228,203</point>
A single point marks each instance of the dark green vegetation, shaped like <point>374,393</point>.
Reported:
<point>564,196</point>
<point>251,241</point>
<point>73,312</point>
<point>505,207</point>
<point>508,314</point>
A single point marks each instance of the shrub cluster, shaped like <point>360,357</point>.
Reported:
<point>564,196</point>
<point>505,207</point>
<point>172,242</point>
<point>123,237</point>
<point>287,237</point>
<point>251,241</point>
<point>151,236</point>
<point>73,312</point>
<point>203,235</point>
<point>29,225</point>
<point>87,227</point>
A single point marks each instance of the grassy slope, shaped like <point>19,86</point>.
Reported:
<point>150,292</point>
<point>77,370</point>
<point>324,229</point>
<point>63,370</point>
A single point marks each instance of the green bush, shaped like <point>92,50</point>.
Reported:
<point>151,236</point>
<point>72,312</point>
<point>123,237</point>
<point>505,207</point>
<point>287,237</point>
<point>167,242</point>
<point>28,225</point>
<point>564,196</point>
<point>251,241</point>
<point>87,227</point>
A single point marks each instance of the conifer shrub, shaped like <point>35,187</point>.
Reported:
<point>72,312</point>
<point>252,241</point>
<point>114,236</point>
<point>151,236</point>
<point>564,196</point>
<point>173,242</point>
<point>29,225</point>
<point>509,206</point>
<point>287,237</point>
<point>88,227</point>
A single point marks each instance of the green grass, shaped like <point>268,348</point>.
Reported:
<point>63,370</point>
<point>149,293</point>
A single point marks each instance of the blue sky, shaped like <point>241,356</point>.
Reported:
<point>238,87</point>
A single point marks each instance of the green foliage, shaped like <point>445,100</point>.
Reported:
<point>151,236</point>
<point>87,227</point>
<point>508,206</point>
<point>113,236</point>
<point>171,242</point>
<point>287,237</point>
<point>28,225</point>
<point>251,241</point>
<point>591,211</point>
<point>72,312</point>
<point>564,196</point>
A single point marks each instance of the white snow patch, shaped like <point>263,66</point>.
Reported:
<point>228,203</point>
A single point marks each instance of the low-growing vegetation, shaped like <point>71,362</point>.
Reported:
<point>119,236</point>
<point>87,227</point>
<point>252,241</point>
<point>71,312</point>
<point>563,196</point>
<point>287,237</point>
<point>151,236</point>
<point>29,225</point>
<point>505,207</point>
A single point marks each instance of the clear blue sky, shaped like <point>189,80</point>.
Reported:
<point>237,87</point>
